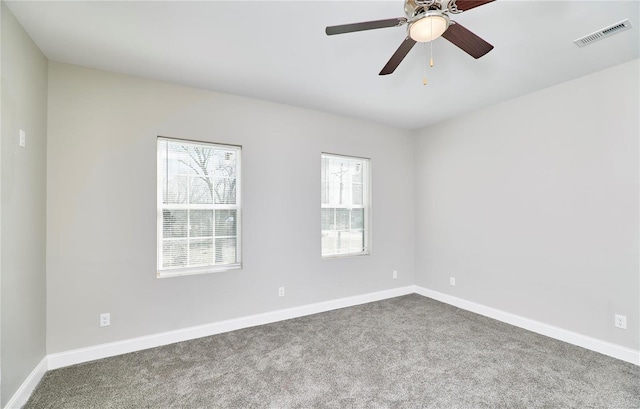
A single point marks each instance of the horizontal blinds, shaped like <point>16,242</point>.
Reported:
<point>198,204</point>
<point>345,203</point>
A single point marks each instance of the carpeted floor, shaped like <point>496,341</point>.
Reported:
<point>405,352</point>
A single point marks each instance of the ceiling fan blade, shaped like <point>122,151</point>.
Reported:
<point>367,25</point>
<point>398,56</point>
<point>464,5</point>
<point>467,41</point>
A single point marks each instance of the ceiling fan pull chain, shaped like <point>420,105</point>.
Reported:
<point>424,78</point>
<point>431,60</point>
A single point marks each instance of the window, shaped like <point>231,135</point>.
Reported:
<point>345,205</point>
<point>199,213</point>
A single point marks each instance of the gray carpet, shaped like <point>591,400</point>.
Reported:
<point>405,352</point>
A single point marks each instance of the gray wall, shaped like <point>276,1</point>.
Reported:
<point>23,189</point>
<point>101,202</point>
<point>533,205</point>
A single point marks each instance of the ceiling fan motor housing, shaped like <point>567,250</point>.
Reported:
<point>413,8</point>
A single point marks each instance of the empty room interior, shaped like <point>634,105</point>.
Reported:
<point>320,204</point>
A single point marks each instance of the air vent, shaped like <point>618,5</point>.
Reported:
<point>605,32</point>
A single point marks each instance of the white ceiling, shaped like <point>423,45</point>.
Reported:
<point>278,51</point>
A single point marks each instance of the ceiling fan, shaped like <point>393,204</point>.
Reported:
<point>426,20</point>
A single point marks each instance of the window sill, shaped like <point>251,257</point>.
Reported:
<point>345,255</point>
<point>197,270</point>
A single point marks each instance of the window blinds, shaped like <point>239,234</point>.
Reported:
<point>199,209</point>
<point>345,205</point>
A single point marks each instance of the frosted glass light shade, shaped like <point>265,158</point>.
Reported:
<point>428,28</point>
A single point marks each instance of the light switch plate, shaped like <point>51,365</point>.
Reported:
<point>23,139</point>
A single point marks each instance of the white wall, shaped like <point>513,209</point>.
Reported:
<point>101,207</point>
<point>533,205</point>
<point>24,106</point>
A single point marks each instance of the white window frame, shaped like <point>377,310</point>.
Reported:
<point>161,206</point>
<point>366,206</point>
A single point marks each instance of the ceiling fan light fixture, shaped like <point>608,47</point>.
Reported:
<point>429,27</point>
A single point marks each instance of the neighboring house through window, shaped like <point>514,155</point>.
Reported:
<point>199,212</point>
<point>345,205</point>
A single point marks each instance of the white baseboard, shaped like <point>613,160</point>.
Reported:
<point>81,355</point>
<point>584,341</point>
<point>24,391</point>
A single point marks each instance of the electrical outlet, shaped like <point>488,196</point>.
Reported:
<point>281,292</point>
<point>452,281</point>
<point>395,274</point>
<point>105,320</point>
<point>621,321</point>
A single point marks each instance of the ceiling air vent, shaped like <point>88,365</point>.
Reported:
<point>603,33</point>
